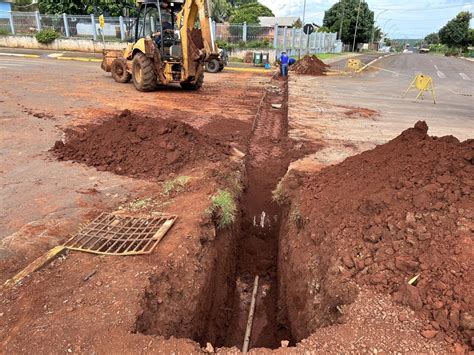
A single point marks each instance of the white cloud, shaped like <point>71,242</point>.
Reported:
<point>408,18</point>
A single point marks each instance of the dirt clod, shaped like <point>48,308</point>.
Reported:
<point>310,65</point>
<point>134,145</point>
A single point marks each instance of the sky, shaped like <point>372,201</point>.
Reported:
<point>401,19</point>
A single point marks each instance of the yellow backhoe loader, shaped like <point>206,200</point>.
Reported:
<point>172,42</point>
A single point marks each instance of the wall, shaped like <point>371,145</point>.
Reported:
<point>61,44</point>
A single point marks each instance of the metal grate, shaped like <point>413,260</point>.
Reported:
<point>111,234</point>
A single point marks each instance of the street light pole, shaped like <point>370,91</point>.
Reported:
<point>357,24</point>
<point>342,19</point>
<point>375,21</point>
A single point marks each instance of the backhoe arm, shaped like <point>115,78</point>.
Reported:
<point>193,57</point>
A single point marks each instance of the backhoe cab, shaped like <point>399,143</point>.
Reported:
<point>172,42</point>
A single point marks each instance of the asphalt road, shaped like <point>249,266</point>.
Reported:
<point>382,87</point>
<point>351,114</point>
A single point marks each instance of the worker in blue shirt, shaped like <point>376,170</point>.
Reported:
<point>284,64</point>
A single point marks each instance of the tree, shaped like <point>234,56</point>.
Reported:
<point>77,7</point>
<point>333,16</point>
<point>432,38</point>
<point>250,13</point>
<point>471,37</point>
<point>54,7</point>
<point>221,10</point>
<point>455,34</point>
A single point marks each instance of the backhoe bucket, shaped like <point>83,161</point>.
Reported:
<point>109,56</point>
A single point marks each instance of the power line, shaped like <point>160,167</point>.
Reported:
<point>421,8</point>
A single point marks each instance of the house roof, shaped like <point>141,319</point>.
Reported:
<point>280,21</point>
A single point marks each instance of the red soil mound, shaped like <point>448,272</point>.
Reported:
<point>310,65</point>
<point>384,216</point>
<point>134,145</point>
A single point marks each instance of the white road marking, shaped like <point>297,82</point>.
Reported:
<point>13,64</point>
<point>441,74</point>
<point>19,55</point>
<point>395,75</point>
<point>436,67</point>
<point>55,55</point>
<point>464,76</point>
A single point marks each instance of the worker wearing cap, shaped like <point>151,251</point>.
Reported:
<point>284,64</point>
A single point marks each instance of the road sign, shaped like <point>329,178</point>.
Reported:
<point>308,29</point>
<point>101,21</point>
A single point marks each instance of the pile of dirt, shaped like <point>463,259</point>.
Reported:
<point>383,217</point>
<point>310,65</point>
<point>134,145</point>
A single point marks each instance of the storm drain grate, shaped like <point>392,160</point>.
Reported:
<point>111,234</point>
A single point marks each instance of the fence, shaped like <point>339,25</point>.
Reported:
<point>292,40</point>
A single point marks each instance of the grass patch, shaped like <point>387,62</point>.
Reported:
<point>224,207</point>
<point>278,195</point>
<point>323,56</point>
<point>175,185</point>
<point>236,60</point>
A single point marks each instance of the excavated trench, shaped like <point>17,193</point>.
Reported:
<point>220,305</point>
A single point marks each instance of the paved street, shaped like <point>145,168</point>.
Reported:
<point>352,114</point>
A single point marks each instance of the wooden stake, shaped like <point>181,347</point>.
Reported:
<point>248,330</point>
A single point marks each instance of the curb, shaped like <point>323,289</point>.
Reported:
<point>80,59</point>
<point>19,55</point>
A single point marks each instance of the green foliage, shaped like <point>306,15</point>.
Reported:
<point>470,37</point>
<point>254,44</point>
<point>432,38</point>
<point>455,34</point>
<point>438,48</point>
<point>46,36</point>
<point>250,13</point>
<point>332,20</point>
<point>175,185</point>
<point>77,7</point>
<point>4,32</point>
<point>324,29</point>
<point>221,10</point>
<point>223,205</point>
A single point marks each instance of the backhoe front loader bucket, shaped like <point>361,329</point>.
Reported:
<point>108,57</point>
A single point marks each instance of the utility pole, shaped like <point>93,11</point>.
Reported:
<point>342,19</point>
<point>357,24</point>
<point>301,29</point>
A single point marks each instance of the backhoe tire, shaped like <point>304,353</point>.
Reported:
<point>221,66</point>
<point>143,73</point>
<point>119,71</point>
<point>212,66</point>
<point>196,86</point>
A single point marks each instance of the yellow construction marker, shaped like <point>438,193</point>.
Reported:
<point>43,260</point>
<point>81,59</point>
<point>422,83</point>
<point>354,64</point>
